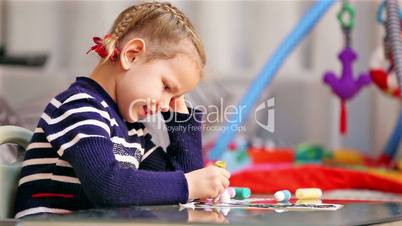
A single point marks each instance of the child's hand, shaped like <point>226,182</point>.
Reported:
<point>208,182</point>
<point>178,104</point>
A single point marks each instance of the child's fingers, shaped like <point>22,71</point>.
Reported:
<point>153,106</point>
<point>173,102</point>
<point>225,182</point>
<point>221,190</point>
<point>164,108</point>
<point>224,172</point>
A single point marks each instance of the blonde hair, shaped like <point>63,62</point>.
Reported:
<point>159,23</point>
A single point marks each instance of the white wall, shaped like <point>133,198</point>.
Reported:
<point>1,21</point>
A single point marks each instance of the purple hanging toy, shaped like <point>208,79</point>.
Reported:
<point>346,87</point>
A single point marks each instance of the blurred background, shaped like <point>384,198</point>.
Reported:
<point>239,37</point>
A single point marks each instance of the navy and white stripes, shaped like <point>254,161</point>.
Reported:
<point>83,155</point>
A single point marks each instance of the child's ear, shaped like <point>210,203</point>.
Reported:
<point>131,51</point>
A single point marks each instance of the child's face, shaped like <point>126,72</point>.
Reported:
<point>148,87</point>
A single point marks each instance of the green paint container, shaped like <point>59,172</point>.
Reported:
<point>242,193</point>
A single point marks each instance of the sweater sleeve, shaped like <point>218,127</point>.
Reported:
<point>81,132</point>
<point>106,183</point>
<point>185,149</point>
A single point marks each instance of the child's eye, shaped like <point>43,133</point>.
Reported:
<point>166,87</point>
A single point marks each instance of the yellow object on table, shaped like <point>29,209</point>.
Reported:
<point>308,193</point>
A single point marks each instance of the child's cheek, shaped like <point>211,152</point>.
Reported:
<point>128,104</point>
<point>132,98</point>
<point>126,112</point>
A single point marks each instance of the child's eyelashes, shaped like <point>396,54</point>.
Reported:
<point>170,86</point>
<point>166,87</point>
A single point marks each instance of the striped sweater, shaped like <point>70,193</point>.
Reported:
<point>84,155</point>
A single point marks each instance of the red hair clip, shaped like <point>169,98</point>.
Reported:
<point>100,47</point>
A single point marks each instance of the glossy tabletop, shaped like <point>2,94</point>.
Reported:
<point>352,213</point>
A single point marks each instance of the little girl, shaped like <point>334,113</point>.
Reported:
<point>90,150</point>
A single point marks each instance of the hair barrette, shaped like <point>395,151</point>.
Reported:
<point>100,47</point>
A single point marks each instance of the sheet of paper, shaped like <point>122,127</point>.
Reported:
<point>277,207</point>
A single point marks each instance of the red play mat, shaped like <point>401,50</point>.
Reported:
<point>270,179</point>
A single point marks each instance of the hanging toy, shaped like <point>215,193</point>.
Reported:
<point>382,74</point>
<point>346,87</point>
<point>381,65</point>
